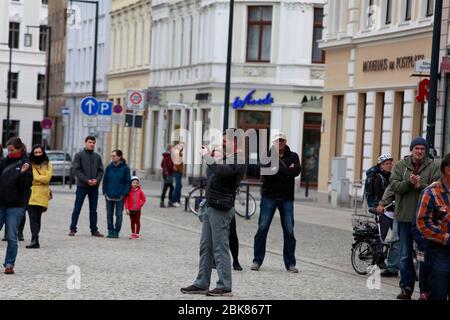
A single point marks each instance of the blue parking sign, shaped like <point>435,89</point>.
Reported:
<point>105,108</point>
<point>89,106</point>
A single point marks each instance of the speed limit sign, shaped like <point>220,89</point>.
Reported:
<point>135,100</point>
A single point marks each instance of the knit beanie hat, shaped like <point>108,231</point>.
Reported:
<point>135,178</point>
<point>419,141</point>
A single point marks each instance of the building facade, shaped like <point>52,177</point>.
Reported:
<point>57,17</point>
<point>370,104</point>
<point>79,67</point>
<point>276,80</point>
<point>28,68</point>
<point>129,69</point>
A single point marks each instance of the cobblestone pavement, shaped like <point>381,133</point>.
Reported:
<point>166,258</point>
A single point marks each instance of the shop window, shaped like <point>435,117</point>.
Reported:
<point>37,133</point>
<point>339,125</point>
<point>13,130</point>
<point>311,146</point>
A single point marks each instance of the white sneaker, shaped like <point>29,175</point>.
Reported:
<point>176,204</point>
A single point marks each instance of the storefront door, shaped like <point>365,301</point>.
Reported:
<point>311,145</point>
<point>256,120</point>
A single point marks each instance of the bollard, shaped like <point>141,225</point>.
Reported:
<point>307,186</point>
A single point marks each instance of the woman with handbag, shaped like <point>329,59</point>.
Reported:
<point>40,192</point>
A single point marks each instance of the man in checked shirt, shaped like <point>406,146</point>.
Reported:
<point>433,221</point>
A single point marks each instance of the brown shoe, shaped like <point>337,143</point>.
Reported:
<point>220,293</point>
<point>72,233</point>
<point>9,270</point>
<point>193,290</point>
<point>97,234</point>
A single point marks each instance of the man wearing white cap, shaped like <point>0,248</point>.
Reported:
<point>278,192</point>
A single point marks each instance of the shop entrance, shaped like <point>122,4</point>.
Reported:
<point>256,120</point>
<point>311,145</point>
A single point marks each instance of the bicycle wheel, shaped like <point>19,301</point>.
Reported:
<point>195,197</point>
<point>240,204</point>
<point>362,256</point>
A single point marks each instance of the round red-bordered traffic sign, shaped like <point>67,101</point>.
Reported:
<point>136,98</point>
<point>47,123</point>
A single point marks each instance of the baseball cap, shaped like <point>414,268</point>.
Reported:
<point>279,135</point>
<point>384,157</point>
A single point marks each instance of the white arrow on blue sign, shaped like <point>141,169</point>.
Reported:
<point>105,108</point>
<point>89,106</point>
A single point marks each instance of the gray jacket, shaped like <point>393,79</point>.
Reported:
<point>87,165</point>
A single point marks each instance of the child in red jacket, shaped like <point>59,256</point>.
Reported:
<point>134,202</point>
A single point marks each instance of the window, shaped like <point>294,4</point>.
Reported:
<point>13,130</point>
<point>37,133</point>
<point>408,10</point>
<point>40,87</point>
<point>43,38</point>
<point>370,13</point>
<point>44,1</point>
<point>388,11</point>
<point>12,84</point>
<point>259,33</point>
<point>14,34</point>
<point>318,55</point>
<point>430,8</point>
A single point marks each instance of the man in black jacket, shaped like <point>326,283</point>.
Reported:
<point>278,192</point>
<point>216,215</point>
<point>88,169</point>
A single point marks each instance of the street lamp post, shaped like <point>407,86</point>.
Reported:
<point>434,75</point>
<point>8,107</point>
<point>228,72</point>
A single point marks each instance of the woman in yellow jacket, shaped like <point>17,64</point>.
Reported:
<point>40,192</point>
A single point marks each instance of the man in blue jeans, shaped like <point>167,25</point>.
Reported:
<point>409,177</point>
<point>278,192</point>
<point>88,169</point>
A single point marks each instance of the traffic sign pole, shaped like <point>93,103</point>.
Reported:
<point>132,143</point>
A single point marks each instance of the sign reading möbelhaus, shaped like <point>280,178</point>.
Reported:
<point>400,63</point>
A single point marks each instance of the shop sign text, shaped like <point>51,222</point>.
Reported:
<point>400,63</point>
<point>248,100</point>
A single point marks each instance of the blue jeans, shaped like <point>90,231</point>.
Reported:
<point>81,194</point>
<point>118,206</point>
<point>438,257</point>
<point>407,269</point>
<point>393,260</point>
<point>11,218</point>
<point>268,207</point>
<point>176,196</point>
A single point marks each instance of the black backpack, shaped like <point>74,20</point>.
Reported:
<point>368,185</point>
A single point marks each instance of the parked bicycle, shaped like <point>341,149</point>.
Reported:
<point>369,249</point>
<point>198,194</point>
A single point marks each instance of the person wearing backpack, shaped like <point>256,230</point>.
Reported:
<point>377,180</point>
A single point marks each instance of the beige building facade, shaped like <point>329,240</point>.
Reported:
<point>370,104</point>
<point>129,70</point>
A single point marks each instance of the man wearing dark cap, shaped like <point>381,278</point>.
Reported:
<point>410,176</point>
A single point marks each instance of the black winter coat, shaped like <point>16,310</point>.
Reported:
<point>15,187</point>
<point>281,186</point>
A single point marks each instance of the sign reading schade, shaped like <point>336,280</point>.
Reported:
<point>400,63</point>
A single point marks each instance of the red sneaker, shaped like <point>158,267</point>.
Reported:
<point>137,236</point>
<point>132,236</point>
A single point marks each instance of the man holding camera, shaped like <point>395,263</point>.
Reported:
<point>216,215</point>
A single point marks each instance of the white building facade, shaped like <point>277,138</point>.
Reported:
<point>275,60</point>
<point>28,68</point>
<point>79,68</point>
<point>370,97</point>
